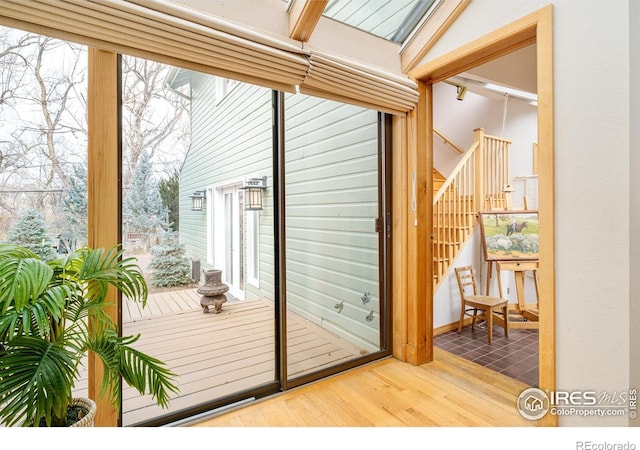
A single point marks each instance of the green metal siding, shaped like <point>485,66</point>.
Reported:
<point>331,154</point>
<point>230,140</point>
<point>331,170</point>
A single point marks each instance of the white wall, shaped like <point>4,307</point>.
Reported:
<point>457,120</point>
<point>446,300</point>
<point>264,15</point>
<point>592,195</point>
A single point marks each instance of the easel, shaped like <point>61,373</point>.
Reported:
<point>522,314</point>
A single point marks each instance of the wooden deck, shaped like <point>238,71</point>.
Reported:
<point>216,355</point>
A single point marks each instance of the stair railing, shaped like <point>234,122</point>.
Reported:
<point>454,213</point>
<point>495,170</point>
<point>448,141</point>
<point>476,183</point>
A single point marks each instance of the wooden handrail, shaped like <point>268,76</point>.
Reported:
<point>448,141</point>
<point>455,171</point>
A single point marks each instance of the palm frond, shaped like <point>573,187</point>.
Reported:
<point>36,378</point>
<point>35,318</point>
<point>101,268</point>
<point>24,279</point>
<point>15,251</point>
<point>148,375</point>
<point>52,313</point>
<point>144,373</point>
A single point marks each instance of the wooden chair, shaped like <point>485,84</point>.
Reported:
<point>471,301</point>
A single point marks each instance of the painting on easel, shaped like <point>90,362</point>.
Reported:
<point>509,235</point>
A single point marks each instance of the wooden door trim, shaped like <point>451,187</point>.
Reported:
<point>533,28</point>
<point>103,192</point>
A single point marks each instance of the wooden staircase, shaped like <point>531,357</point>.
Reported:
<point>481,174</point>
<point>438,181</point>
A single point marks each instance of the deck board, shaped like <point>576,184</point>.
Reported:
<point>216,355</point>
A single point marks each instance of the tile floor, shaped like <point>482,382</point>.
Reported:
<point>515,356</point>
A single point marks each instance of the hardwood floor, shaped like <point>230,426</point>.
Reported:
<point>450,391</point>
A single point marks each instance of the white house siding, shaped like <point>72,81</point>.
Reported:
<point>230,141</point>
<point>331,171</point>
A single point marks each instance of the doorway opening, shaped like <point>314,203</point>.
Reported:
<point>534,28</point>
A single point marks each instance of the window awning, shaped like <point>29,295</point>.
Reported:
<point>182,37</point>
<point>167,33</point>
<point>351,82</point>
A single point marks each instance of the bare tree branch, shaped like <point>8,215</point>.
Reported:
<point>152,114</point>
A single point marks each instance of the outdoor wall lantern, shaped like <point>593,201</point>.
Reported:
<point>197,199</point>
<point>254,188</point>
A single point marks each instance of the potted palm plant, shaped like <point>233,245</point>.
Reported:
<point>51,314</point>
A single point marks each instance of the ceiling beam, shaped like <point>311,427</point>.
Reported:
<point>304,17</point>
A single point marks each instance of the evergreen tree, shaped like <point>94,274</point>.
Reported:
<point>169,264</point>
<point>169,191</point>
<point>143,212</point>
<point>74,207</point>
<point>30,231</point>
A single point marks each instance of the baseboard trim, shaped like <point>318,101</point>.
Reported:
<point>451,326</point>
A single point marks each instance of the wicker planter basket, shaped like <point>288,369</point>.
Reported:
<point>89,406</point>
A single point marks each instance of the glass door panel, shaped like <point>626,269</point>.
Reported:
<point>332,247</point>
<point>233,229</point>
<point>190,142</point>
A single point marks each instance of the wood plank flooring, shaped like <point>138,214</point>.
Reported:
<point>450,391</point>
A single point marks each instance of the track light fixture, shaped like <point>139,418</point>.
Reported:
<point>462,90</point>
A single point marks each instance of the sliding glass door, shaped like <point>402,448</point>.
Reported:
<point>256,218</point>
<point>333,289</point>
<point>319,293</point>
<point>191,143</point>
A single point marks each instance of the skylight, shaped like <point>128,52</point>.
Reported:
<point>389,19</point>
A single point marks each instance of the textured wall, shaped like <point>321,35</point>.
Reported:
<point>592,184</point>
